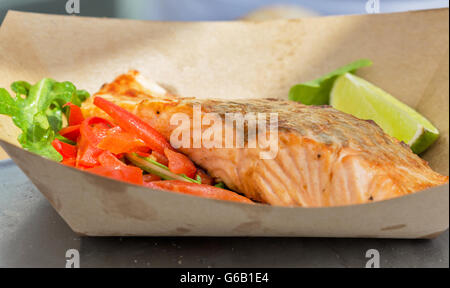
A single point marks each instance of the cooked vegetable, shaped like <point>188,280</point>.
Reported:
<point>92,131</point>
<point>108,159</point>
<point>179,163</point>
<point>317,92</point>
<point>198,190</point>
<point>151,178</point>
<point>69,162</point>
<point>127,173</point>
<point>118,141</point>
<point>70,132</point>
<point>221,185</point>
<point>67,151</point>
<point>160,158</point>
<point>65,140</point>
<point>75,114</point>
<point>37,110</point>
<point>133,124</point>
<point>151,166</point>
<point>204,178</point>
<point>112,167</point>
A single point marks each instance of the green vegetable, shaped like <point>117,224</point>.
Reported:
<point>65,140</point>
<point>151,166</point>
<point>21,87</point>
<point>221,185</point>
<point>38,111</point>
<point>317,92</point>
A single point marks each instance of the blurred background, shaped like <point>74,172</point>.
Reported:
<point>197,10</point>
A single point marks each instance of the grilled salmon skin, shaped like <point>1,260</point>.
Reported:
<point>324,157</point>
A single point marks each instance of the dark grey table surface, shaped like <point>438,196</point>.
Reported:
<point>33,235</point>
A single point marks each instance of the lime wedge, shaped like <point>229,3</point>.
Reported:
<point>364,100</point>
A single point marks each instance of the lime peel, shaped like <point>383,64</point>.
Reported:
<point>364,100</point>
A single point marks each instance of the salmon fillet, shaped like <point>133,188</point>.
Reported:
<point>325,157</point>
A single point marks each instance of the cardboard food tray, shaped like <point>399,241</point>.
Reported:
<point>228,60</point>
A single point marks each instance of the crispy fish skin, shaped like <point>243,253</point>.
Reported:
<point>325,157</point>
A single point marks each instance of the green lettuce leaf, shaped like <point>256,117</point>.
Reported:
<point>38,111</point>
<point>7,104</point>
<point>79,97</point>
<point>21,87</point>
<point>317,92</point>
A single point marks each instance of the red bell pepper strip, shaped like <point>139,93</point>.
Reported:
<point>205,178</point>
<point>87,154</point>
<point>133,124</point>
<point>151,178</point>
<point>75,114</point>
<point>180,164</point>
<point>107,159</point>
<point>66,150</point>
<point>114,168</point>
<point>160,158</point>
<point>118,141</point>
<point>69,162</point>
<point>71,132</point>
<point>197,190</point>
<point>92,131</point>
<point>155,156</point>
<point>143,154</point>
<point>129,174</point>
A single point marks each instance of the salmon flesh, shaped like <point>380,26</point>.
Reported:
<point>324,157</point>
